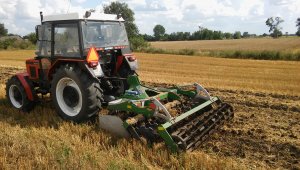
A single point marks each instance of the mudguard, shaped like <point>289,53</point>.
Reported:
<point>95,72</point>
<point>132,64</point>
<point>28,90</point>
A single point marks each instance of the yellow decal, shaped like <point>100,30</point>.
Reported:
<point>160,128</point>
<point>129,106</point>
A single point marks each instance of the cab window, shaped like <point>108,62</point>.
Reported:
<point>66,40</point>
<point>44,41</point>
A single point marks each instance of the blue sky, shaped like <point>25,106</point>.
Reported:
<point>21,16</point>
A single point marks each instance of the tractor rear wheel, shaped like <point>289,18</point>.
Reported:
<point>76,95</point>
<point>17,96</point>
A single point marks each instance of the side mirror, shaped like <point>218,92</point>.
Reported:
<point>38,31</point>
<point>119,16</point>
<point>87,14</point>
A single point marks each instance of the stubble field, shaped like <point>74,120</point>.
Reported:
<point>290,44</point>
<point>264,133</point>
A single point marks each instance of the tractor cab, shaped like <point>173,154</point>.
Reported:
<point>71,37</point>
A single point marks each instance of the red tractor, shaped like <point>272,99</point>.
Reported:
<point>83,61</point>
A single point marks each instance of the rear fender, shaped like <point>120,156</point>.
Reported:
<point>132,64</point>
<point>94,72</point>
<point>32,67</point>
<point>22,77</point>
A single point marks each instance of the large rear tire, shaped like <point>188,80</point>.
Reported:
<point>76,95</point>
<point>16,95</point>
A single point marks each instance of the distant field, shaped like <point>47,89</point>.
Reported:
<point>258,48</point>
<point>15,58</point>
<point>255,44</point>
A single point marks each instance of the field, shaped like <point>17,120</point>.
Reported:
<point>263,135</point>
<point>253,44</point>
<point>287,48</point>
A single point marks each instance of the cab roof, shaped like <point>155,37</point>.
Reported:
<point>81,16</point>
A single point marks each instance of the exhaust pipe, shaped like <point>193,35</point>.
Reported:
<point>42,17</point>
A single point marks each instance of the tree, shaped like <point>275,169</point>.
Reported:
<point>246,35</point>
<point>3,30</point>
<point>31,37</point>
<point>148,37</point>
<point>237,35</point>
<point>159,31</point>
<point>274,26</point>
<point>218,35</point>
<point>298,25</point>
<point>127,14</point>
<point>228,35</point>
<point>136,40</point>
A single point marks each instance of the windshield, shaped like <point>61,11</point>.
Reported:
<point>104,34</point>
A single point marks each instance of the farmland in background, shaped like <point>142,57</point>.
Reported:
<point>253,48</point>
<point>251,44</point>
<point>264,133</point>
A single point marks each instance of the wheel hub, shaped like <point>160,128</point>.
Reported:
<point>71,96</point>
<point>15,96</point>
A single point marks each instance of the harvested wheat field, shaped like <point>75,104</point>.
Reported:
<point>290,44</point>
<point>264,133</point>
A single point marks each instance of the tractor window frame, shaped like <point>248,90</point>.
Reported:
<point>77,53</point>
<point>44,42</point>
<point>108,24</point>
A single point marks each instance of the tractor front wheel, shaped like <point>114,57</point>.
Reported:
<point>17,96</point>
<point>76,95</point>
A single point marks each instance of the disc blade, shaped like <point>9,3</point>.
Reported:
<point>113,125</point>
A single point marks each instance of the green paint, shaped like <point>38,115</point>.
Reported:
<point>162,130</point>
<point>168,139</point>
<point>186,92</point>
<point>137,93</point>
<point>127,105</point>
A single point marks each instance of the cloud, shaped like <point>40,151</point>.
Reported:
<point>21,16</point>
<point>80,1</point>
<point>225,15</point>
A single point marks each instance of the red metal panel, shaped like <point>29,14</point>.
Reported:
<point>36,65</point>
<point>21,77</point>
<point>119,63</point>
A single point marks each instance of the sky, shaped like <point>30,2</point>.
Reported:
<point>21,16</point>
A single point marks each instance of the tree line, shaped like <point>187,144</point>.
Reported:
<point>159,33</point>
<point>201,34</point>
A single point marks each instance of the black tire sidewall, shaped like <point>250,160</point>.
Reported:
<point>78,77</point>
<point>27,105</point>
